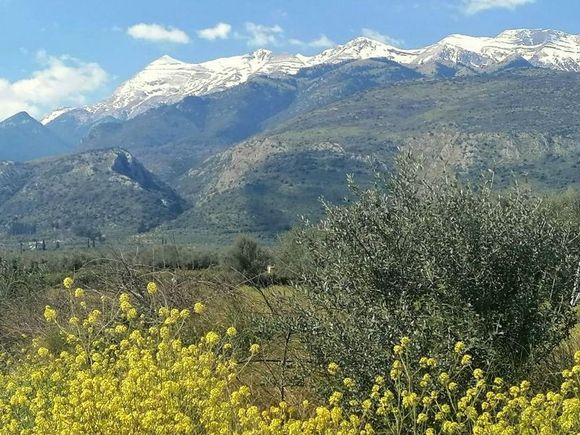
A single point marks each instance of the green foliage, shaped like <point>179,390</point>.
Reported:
<point>247,259</point>
<point>439,261</point>
<point>91,233</point>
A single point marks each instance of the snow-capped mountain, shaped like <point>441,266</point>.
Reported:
<point>363,48</point>
<point>542,48</point>
<point>168,80</point>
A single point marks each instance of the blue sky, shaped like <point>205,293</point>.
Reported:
<point>70,52</point>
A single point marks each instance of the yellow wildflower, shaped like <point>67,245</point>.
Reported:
<point>151,288</point>
<point>466,360</point>
<point>348,383</point>
<point>198,308</point>
<point>333,368</point>
<point>212,337</point>
<point>49,314</point>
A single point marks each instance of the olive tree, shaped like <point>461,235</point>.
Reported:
<point>247,258</point>
<point>439,261</point>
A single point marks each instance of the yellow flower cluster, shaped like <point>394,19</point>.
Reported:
<point>135,375</point>
<point>119,372</point>
<point>152,288</point>
<point>425,398</point>
<point>68,282</point>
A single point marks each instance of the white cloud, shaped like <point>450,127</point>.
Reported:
<point>259,35</point>
<point>62,81</point>
<point>158,33</point>
<point>219,31</point>
<point>322,42</point>
<point>386,39</point>
<point>475,6</point>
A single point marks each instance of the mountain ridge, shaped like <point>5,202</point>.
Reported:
<point>24,138</point>
<point>107,190</point>
<point>518,123</point>
<point>320,124</point>
<point>168,80</point>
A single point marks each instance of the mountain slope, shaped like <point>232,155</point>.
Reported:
<point>75,124</point>
<point>198,127</point>
<point>13,177</point>
<point>108,190</point>
<point>519,122</point>
<point>24,138</point>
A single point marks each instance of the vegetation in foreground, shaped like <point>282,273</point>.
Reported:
<point>122,371</point>
<point>423,307</point>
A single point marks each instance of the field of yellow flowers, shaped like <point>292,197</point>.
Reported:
<point>122,370</point>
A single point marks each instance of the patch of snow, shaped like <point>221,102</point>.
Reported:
<point>55,114</point>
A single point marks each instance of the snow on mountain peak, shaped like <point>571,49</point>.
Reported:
<point>363,48</point>
<point>261,54</point>
<point>530,37</point>
<point>55,114</point>
<point>364,42</point>
<point>168,80</point>
<point>543,48</point>
<point>164,60</point>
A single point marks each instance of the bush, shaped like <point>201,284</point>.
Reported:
<point>248,259</point>
<point>439,261</point>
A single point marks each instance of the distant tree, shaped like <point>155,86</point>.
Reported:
<point>247,258</point>
<point>20,228</point>
<point>92,234</point>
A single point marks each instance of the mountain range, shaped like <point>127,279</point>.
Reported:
<point>168,80</point>
<point>251,143</point>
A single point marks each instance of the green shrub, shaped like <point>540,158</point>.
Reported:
<point>248,259</point>
<point>439,261</point>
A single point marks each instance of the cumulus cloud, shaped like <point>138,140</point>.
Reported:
<point>259,35</point>
<point>158,33</point>
<point>475,6</point>
<point>377,36</point>
<point>219,31</point>
<point>61,81</point>
<point>322,42</point>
